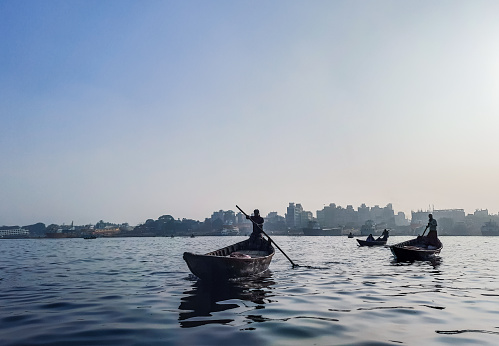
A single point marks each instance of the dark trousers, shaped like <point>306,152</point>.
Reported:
<point>432,238</point>
<point>257,241</point>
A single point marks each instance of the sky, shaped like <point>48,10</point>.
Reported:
<point>124,111</point>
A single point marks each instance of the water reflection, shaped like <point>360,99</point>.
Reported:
<point>435,262</point>
<point>203,300</point>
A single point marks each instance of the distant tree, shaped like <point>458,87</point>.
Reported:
<point>166,225</point>
<point>205,227</point>
<point>52,228</point>
<point>8,227</point>
<point>36,229</point>
<point>187,226</point>
<point>102,224</point>
<point>166,218</point>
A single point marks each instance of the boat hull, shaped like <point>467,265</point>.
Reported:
<point>414,250</point>
<point>371,243</point>
<point>218,265</point>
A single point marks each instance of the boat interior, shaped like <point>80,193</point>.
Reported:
<point>254,253</point>
<point>236,248</point>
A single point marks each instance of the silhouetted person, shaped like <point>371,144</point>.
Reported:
<point>384,235</point>
<point>431,238</point>
<point>370,238</point>
<point>256,236</point>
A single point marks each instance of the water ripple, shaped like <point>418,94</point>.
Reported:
<point>139,291</point>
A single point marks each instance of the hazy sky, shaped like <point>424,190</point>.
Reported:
<point>129,110</point>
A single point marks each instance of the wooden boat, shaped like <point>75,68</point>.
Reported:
<point>415,250</point>
<point>372,242</point>
<point>238,260</point>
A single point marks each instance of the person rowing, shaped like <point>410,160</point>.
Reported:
<point>384,236</point>
<point>256,236</point>
<point>432,238</point>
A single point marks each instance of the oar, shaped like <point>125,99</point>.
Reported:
<point>277,246</point>
<point>424,231</point>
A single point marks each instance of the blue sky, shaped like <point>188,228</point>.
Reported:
<point>129,110</point>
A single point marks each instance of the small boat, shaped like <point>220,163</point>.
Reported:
<point>380,241</point>
<point>350,235</point>
<point>233,261</point>
<point>314,229</point>
<point>415,250</point>
<point>90,237</point>
<point>372,242</point>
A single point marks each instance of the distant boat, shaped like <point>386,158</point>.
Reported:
<point>90,237</point>
<point>322,231</point>
<point>192,236</point>
<point>350,235</point>
<point>490,228</point>
<point>375,242</point>
<point>314,229</point>
<point>371,243</point>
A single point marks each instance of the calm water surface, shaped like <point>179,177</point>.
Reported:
<point>139,291</point>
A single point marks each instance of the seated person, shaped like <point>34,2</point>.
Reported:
<point>370,238</point>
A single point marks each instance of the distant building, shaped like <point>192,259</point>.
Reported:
<point>240,218</point>
<point>14,232</point>
<point>229,217</point>
<point>481,213</point>
<point>305,218</point>
<point>420,217</point>
<point>273,217</point>
<point>457,215</point>
<point>293,215</point>
<point>218,215</point>
<point>400,219</point>
<point>107,231</point>
<point>364,213</point>
<point>332,216</point>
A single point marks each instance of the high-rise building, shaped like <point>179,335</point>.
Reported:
<point>294,215</point>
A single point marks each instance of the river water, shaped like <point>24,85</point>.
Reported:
<point>139,291</point>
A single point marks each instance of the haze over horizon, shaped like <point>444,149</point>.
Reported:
<point>129,110</point>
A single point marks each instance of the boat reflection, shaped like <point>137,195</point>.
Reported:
<point>204,299</point>
<point>435,262</point>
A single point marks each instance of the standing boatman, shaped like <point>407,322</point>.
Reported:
<point>257,235</point>
<point>432,234</point>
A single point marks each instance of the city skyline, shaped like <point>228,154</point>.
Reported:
<point>129,110</point>
<point>265,214</point>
